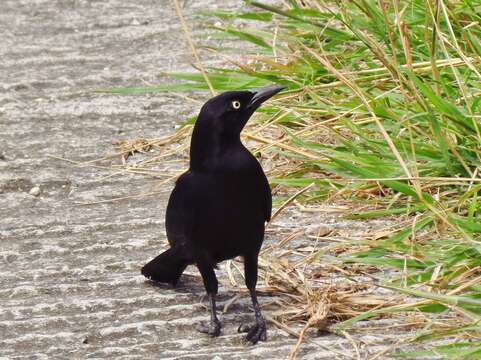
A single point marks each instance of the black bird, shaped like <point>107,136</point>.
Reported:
<point>219,207</point>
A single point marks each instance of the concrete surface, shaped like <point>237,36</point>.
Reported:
<point>70,282</point>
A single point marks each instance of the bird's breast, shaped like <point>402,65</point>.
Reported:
<point>233,203</point>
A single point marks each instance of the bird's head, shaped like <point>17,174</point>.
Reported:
<point>226,114</point>
<point>221,121</point>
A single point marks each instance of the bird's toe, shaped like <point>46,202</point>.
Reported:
<point>244,328</point>
<point>255,333</point>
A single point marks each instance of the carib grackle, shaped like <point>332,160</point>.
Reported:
<point>219,207</point>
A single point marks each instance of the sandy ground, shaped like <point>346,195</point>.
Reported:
<point>70,281</point>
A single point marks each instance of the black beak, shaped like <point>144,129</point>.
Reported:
<point>263,94</point>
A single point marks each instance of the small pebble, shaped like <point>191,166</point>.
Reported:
<point>35,191</point>
<point>324,230</point>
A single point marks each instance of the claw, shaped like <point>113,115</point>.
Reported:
<point>243,328</point>
<point>255,332</point>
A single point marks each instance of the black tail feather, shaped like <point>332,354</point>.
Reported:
<point>166,268</point>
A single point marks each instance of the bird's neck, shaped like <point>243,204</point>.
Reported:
<point>208,148</point>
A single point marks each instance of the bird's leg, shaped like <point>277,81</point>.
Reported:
<point>215,324</point>
<point>211,286</point>
<point>258,330</point>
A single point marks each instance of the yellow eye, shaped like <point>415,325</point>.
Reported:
<point>236,105</point>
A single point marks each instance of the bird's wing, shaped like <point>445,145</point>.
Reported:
<point>261,184</point>
<point>267,200</point>
<point>181,212</point>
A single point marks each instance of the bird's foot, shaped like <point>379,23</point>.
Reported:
<point>212,327</point>
<point>255,332</point>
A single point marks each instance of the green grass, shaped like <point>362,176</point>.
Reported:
<point>379,97</point>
